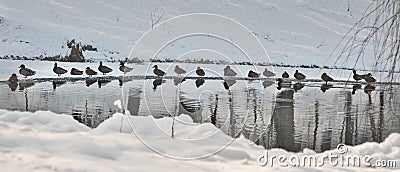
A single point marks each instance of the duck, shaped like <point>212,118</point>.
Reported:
<point>26,71</point>
<point>200,71</point>
<point>58,70</point>
<point>90,72</point>
<point>157,71</point>
<point>267,83</point>
<point>13,78</point>
<point>75,71</point>
<point>268,73</point>
<point>298,86</point>
<point>253,74</point>
<point>356,76</point>
<point>299,76</point>
<point>326,78</point>
<point>325,87</point>
<point>104,69</point>
<point>229,72</point>
<point>179,70</point>
<point>283,83</point>
<point>285,75</point>
<point>123,68</point>
<point>369,78</point>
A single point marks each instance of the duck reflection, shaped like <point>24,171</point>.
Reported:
<point>368,89</point>
<point>57,84</point>
<point>199,82</point>
<point>90,81</point>
<point>284,83</point>
<point>157,83</point>
<point>103,82</point>
<point>283,121</point>
<point>228,83</point>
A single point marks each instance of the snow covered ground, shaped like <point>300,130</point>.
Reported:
<point>292,31</point>
<point>44,141</point>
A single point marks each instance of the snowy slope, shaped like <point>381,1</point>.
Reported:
<point>292,31</point>
<point>41,141</point>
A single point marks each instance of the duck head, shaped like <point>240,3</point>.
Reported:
<point>22,66</point>
<point>155,66</point>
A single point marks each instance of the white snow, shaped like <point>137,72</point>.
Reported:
<point>292,31</point>
<point>44,141</point>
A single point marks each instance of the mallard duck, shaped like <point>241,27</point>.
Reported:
<point>26,71</point>
<point>58,70</point>
<point>75,71</point>
<point>285,75</point>
<point>179,70</point>
<point>157,71</point>
<point>229,72</point>
<point>369,78</point>
<point>356,76</point>
<point>253,74</point>
<point>90,72</point>
<point>13,78</point>
<point>299,76</point>
<point>104,69</point>
<point>268,73</point>
<point>200,71</point>
<point>326,78</point>
<point>123,68</point>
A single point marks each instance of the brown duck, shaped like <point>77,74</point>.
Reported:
<point>58,70</point>
<point>326,78</point>
<point>26,71</point>
<point>157,71</point>
<point>200,71</point>
<point>90,72</point>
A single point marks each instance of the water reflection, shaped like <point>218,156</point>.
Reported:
<point>288,119</point>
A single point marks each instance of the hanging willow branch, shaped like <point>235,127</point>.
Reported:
<point>375,34</point>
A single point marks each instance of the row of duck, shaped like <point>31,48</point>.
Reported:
<point>179,71</point>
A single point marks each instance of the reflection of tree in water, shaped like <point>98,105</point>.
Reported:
<point>283,121</point>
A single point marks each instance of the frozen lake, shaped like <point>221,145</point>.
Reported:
<point>293,119</point>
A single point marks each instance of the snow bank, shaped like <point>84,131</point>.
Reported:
<point>44,141</point>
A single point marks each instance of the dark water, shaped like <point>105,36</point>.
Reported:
<point>293,119</point>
